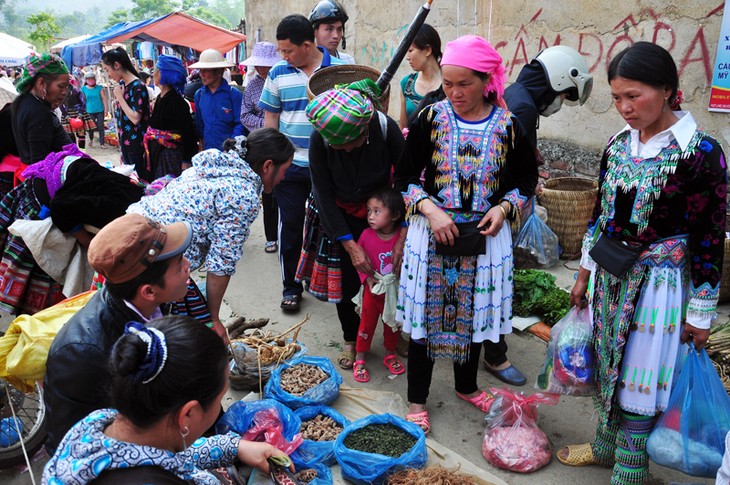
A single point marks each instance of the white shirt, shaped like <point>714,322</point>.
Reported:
<point>682,130</point>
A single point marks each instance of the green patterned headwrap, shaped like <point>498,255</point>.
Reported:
<point>49,64</point>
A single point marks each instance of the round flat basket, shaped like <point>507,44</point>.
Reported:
<point>569,202</point>
<point>725,280</point>
<point>329,77</point>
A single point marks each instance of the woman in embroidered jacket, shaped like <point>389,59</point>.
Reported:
<point>662,187</point>
<point>478,167</point>
<point>169,377</point>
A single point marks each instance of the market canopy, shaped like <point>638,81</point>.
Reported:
<point>13,51</point>
<point>172,29</point>
<point>73,40</point>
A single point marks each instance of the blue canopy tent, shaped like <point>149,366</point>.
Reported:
<point>173,29</point>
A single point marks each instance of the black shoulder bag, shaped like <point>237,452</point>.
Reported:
<point>615,256</point>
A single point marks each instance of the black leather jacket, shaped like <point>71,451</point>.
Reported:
<point>77,377</point>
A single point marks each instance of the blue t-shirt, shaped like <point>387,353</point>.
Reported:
<point>285,92</point>
<point>218,114</point>
<point>94,103</point>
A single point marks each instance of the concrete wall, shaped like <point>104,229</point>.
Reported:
<point>519,29</point>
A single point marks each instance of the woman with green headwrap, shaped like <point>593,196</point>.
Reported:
<point>42,87</point>
<point>352,153</point>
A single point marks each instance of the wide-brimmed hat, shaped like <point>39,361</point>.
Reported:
<point>263,55</point>
<point>211,59</point>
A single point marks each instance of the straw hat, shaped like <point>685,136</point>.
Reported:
<point>263,54</point>
<point>211,59</point>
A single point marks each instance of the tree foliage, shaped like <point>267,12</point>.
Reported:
<point>45,28</point>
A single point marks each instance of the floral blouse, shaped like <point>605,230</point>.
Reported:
<point>85,452</point>
<point>131,136</point>
<point>219,197</point>
<point>678,192</point>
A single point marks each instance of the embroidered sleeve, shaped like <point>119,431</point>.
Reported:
<point>418,151</point>
<point>521,173</point>
<point>706,205</point>
<point>214,452</point>
<point>589,238</point>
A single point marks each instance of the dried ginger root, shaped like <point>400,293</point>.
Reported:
<point>306,476</point>
<point>320,428</point>
<point>300,378</point>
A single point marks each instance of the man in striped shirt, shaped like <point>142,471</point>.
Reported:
<point>284,100</point>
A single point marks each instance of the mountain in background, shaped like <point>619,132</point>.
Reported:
<point>104,6</point>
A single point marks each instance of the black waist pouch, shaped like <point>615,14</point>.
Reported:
<point>614,256</point>
<point>469,242</point>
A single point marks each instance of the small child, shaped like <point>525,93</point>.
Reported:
<point>386,212</point>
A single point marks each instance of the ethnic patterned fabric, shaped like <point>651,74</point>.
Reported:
<point>86,452</point>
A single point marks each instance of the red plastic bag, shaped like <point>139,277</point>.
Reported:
<point>512,439</point>
<point>267,426</point>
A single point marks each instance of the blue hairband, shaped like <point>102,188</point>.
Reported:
<point>156,357</point>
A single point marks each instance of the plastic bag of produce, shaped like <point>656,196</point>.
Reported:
<point>305,381</point>
<point>569,362</point>
<point>320,427</point>
<point>266,420</point>
<point>536,245</point>
<point>690,434</point>
<point>245,365</point>
<point>512,439</point>
<point>360,449</point>
<point>314,474</point>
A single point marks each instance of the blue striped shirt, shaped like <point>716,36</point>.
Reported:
<point>285,92</point>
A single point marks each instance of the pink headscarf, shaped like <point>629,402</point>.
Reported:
<point>474,52</point>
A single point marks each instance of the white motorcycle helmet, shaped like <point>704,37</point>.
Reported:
<point>567,72</point>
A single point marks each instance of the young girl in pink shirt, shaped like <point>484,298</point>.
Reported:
<point>386,212</point>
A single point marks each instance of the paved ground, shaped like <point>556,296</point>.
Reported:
<point>255,291</point>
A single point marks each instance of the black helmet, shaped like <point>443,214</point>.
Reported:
<point>327,10</point>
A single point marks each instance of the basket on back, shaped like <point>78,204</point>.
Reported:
<point>329,77</point>
<point>569,202</point>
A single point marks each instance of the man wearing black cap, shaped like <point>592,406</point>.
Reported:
<point>144,267</point>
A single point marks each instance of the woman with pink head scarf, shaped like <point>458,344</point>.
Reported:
<point>456,279</point>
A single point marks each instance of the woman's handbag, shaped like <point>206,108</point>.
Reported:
<point>469,242</point>
<point>615,256</point>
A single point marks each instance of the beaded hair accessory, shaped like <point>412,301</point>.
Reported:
<point>156,357</point>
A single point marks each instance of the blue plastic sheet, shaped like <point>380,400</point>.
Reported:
<point>690,434</point>
<point>312,452</point>
<point>321,394</point>
<point>368,468</point>
<point>265,420</point>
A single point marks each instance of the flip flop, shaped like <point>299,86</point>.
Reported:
<point>420,420</point>
<point>291,303</point>
<point>360,372</point>
<point>346,358</point>
<point>394,365</point>
<point>578,455</point>
<point>271,247</point>
<point>482,402</point>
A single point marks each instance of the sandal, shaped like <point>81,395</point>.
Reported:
<point>271,247</point>
<point>578,455</point>
<point>291,303</point>
<point>346,359</point>
<point>420,420</point>
<point>482,402</point>
<point>360,372</point>
<point>393,364</point>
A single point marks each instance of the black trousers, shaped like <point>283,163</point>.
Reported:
<point>271,216</point>
<point>495,354</point>
<point>420,371</point>
<point>349,319</point>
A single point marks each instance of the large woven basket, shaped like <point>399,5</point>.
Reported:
<point>329,77</point>
<point>725,280</point>
<point>569,202</point>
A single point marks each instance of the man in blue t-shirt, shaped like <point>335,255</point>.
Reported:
<point>284,100</point>
<point>217,106</point>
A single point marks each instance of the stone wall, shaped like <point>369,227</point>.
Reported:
<point>571,140</point>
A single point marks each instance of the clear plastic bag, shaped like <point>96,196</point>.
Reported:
<point>312,452</point>
<point>323,393</point>
<point>536,245</point>
<point>569,360</point>
<point>265,420</point>
<point>690,434</point>
<point>364,468</point>
<point>245,366</point>
<point>512,439</point>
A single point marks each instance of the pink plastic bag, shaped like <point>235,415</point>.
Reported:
<point>267,426</point>
<point>512,439</point>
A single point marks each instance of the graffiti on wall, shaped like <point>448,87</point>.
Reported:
<point>378,53</point>
<point>600,49</point>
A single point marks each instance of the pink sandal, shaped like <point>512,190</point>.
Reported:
<point>420,420</point>
<point>394,365</point>
<point>360,372</point>
<point>482,402</point>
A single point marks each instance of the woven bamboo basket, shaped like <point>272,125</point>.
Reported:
<point>725,280</point>
<point>329,77</point>
<point>569,202</point>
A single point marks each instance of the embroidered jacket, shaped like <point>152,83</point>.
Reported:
<point>676,189</point>
<point>468,170</point>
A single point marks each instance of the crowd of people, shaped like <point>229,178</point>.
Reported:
<point>405,222</point>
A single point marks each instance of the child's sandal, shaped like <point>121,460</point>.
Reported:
<point>393,364</point>
<point>360,372</point>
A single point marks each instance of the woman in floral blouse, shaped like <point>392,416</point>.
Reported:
<point>662,187</point>
<point>219,197</point>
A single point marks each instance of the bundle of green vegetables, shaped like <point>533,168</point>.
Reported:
<point>535,293</point>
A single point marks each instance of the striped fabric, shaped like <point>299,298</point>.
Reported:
<point>193,305</point>
<point>340,115</point>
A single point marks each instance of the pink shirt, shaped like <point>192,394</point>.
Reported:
<point>379,252</point>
